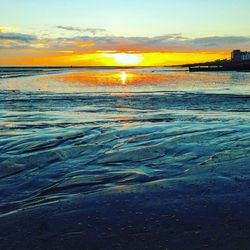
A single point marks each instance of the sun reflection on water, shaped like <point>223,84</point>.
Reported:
<point>124,78</point>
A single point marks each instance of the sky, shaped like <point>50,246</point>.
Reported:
<point>119,32</point>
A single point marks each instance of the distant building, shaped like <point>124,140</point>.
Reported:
<point>238,55</point>
<point>245,55</point>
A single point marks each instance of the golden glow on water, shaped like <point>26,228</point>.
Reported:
<point>126,81</point>
<point>102,78</point>
<point>130,78</point>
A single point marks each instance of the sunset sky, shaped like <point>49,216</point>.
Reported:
<point>119,32</point>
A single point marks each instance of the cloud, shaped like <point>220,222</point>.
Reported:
<point>6,29</point>
<point>92,31</point>
<point>166,43</point>
<point>216,41</point>
<point>11,40</point>
<point>17,37</point>
<point>90,44</point>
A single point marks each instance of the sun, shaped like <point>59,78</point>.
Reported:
<point>125,58</point>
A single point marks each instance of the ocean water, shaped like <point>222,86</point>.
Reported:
<point>136,158</point>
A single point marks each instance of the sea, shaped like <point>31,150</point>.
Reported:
<point>99,158</point>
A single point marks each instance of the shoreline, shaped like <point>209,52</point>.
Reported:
<point>221,65</point>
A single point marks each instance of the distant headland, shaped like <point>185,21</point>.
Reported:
<point>240,61</point>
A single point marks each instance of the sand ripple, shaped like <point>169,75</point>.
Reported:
<point>63,145</point>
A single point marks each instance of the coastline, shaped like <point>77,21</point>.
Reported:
<point>221,65</point>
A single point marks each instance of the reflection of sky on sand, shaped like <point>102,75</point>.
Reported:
<point>132,80</point>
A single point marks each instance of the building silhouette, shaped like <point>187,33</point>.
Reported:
<point>238,55</point>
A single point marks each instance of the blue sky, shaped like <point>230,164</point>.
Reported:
<point>131,17</point>
<point>84,30</point>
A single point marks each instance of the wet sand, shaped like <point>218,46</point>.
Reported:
<point>160,162</point>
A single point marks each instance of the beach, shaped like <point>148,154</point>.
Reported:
<point>136,158</point>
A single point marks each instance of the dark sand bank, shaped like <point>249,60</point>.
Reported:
<point>208,210</point>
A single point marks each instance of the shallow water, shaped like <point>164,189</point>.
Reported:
<point>103,157</point>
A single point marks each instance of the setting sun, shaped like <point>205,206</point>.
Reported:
<point>125,58</point>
